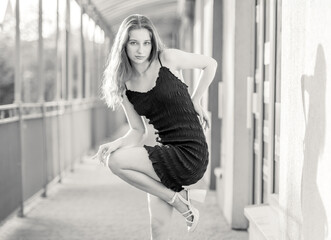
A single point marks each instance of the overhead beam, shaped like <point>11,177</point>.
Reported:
<point>91,10</point>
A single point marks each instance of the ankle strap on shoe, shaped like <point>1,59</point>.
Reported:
<point>173,198</point>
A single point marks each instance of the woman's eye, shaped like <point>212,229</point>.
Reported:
<point>147,43</point>
<point>133,43</point>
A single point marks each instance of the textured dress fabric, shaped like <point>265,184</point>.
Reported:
<point>181,156</point>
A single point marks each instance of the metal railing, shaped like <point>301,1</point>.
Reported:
<point>39,142</point>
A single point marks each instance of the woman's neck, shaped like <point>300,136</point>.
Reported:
<point>141,68</point>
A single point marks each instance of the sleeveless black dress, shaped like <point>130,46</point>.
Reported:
<point>181,157</point>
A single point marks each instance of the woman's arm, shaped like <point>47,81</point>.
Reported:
<point>178,60</point>
<point>137,128</point>
<point>132,138</point>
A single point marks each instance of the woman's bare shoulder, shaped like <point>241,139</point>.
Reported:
<point>168,57</point>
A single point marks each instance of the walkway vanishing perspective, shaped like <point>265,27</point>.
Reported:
<point>94,204</point>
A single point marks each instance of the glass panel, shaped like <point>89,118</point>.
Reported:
<point>257,183</point>
<point>61,61</point>
<point>99,41</point>
<point>266,72</point>
<point>276,175</point>
<point>29,49</point>
<point>105,49</point>
<point>267,20</point>
<point>96,60</point>
<point>49,35</point>
<point>256,128</point>
<point>102,52</point>
<point>266,111</point>
<point>278,51</point>
<point>277,97</point>
<point>257,49</point>
<point>86,70</point>
<point>7,50</point>
<point>265,191</point>
<point>75,48</point>
<point>91,55</point>
<point>265,153</point>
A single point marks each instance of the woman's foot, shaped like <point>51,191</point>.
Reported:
<point>182,202</point>
<point>183,208</point>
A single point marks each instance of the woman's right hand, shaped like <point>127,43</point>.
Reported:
<point>104,151</point>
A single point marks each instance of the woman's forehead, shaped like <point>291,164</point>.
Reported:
<point>140,34</point>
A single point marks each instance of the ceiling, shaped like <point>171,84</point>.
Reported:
<point>113,12</point>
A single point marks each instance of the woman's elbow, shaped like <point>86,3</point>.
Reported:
<point>140,132</point>
<point>213,63</point>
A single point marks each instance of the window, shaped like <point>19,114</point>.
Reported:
<point>86,58</point>
<point>29,50</point>
<point>61,51</point>
<point>75,49</point>
<point>7,50</point>
<point>49,45</point>
<point>266,96</point>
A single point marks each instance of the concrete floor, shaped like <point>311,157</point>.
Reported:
<point>92,203</point>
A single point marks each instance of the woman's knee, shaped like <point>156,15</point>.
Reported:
<point>114,162</point>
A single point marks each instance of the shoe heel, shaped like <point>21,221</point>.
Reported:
<point>198,195</point>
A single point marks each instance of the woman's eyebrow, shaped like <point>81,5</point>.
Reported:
<point>146,40</point>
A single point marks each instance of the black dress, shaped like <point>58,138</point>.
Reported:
<point>181,157</point>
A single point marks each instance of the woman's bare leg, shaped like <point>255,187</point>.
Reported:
<point>160,217</point>
<point>134,167</point>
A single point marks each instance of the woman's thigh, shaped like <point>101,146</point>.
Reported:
<point>135,158</point>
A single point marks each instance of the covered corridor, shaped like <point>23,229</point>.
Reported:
<point>270,132</point>
<point>94,204</point>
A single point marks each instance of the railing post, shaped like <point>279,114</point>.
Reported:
<point>57,93</point>
<point>18,101</point>
<point>42,96</point>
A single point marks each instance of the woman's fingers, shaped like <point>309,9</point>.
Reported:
<point>104,154</point>
<point>204,118</point>
<point>207,120</point>
<point>97,155</point>
<point>101,154</point>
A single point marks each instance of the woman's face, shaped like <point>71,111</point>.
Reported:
<point>139,45</point>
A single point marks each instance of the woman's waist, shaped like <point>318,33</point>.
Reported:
<point>182,139</point>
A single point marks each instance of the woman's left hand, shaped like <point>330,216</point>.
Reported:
<point>202,114</point>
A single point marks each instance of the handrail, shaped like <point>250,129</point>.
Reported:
<point>8,106</point>
<point>10,112</point>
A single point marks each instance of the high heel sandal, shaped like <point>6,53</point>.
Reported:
<point>192,194</point>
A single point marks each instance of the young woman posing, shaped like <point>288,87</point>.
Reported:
<point>141,76</point>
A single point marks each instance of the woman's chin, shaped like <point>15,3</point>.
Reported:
<point>139,61</point>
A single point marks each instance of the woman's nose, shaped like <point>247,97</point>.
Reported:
<point>140,48</point>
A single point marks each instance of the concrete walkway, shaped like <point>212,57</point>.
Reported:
<point>92,203</point>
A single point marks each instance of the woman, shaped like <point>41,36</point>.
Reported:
<point>141,76</point>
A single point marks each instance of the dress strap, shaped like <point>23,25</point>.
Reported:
<point>158,56</point>
<point>125,86</point>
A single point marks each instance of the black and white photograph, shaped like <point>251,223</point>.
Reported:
<point>165,120</point>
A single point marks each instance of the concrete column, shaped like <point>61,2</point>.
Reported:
<point>213,104</point>
<point>235,187</point>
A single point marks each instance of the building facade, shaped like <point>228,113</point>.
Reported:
<point>270,150</point>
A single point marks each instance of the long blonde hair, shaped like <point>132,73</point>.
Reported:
<point>118,69</point>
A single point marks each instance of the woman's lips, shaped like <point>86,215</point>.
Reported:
<point>140,57</point>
